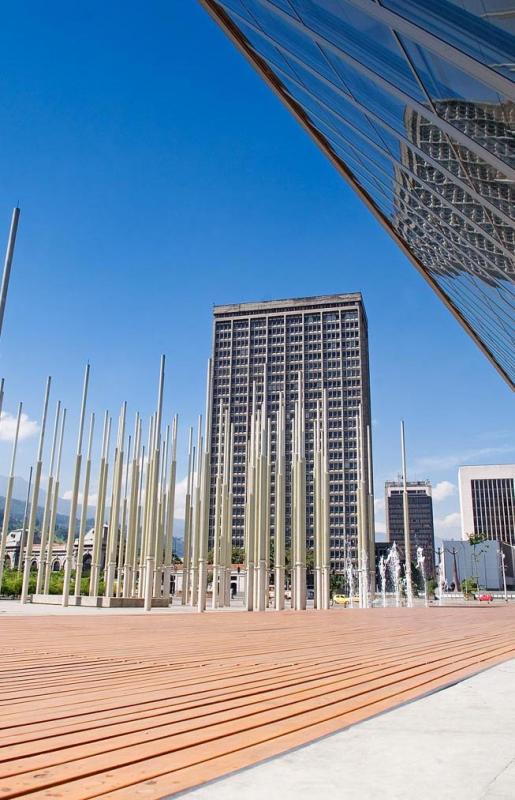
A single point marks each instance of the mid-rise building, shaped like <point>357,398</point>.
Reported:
<point>421,525</point>
<point>325,340</point>
<point>487,501</point>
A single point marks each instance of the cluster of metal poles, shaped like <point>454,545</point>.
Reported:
<point>136,539</point>
<point>133,525</point>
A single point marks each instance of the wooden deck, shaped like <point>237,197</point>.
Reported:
<point>142,706</point>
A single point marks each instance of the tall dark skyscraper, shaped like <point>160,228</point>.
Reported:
<point>325,340</point>
<point>421,525</point>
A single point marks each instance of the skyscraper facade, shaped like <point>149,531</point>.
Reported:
<point>263,347</point>
<point>421,524</point>
<point>414,104</point>
<point>487,501</point>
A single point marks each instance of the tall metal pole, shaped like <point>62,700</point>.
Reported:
<point>99,514</point>
<point>405,509</point>
<point>48,505</point>
<point>24,522</point>
<point>8,495</point>
<point>359,509</point>
<point>53,515</point>
<point>371,521</point>
<point>250,528</point>
<point>154,484</point>
<point>34,508</point>
<point>205,498</point>
<point>8,264</point>
<point>186,558</point>
<point>326,531</point>
<point>503,560</point>
<point>218,511</point>
<point>113,532</point>
<point>75,495</point>
<point>123,544</point>
<point>280,507</point>
<point>196,515</point>
<point>170,510</point>
<point>84,511</point>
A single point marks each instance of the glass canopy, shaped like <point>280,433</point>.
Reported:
<point>414,103</point>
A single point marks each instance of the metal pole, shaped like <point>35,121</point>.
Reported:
<point>84,511</point>
<point>205,498</point>
<point>170,509</point>
<point>8,264</point>
<point>35,494</point>
<point>53,515</point>
<point>99,514</point>
<point>48,505</point>
<point>503,559</point>
<point>75,495</point>
<point>405,508</point>
<point>9,494</point>
<point>24,523</point>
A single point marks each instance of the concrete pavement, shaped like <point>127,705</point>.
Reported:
<point>455,743</point>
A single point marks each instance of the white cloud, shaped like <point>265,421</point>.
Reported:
<point>180,499</point>
<point>453,460</point>
<point>92,498</point>
<point>379,504</point>
<point>28,427</point>
<point>380,527</point>
<point>449,523</point>
<point>443,490</point>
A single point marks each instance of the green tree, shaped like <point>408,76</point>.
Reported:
<point>12,581</point>
<point>476,540</point>
<point>469,586</point>
<point>238,555</point>
<point>337,583</point>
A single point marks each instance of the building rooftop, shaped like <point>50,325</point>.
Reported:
<point>300,302</point>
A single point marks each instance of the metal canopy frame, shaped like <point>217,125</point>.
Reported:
<point>221,17</point>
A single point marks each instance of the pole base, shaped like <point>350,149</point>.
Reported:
<point>100,601</point>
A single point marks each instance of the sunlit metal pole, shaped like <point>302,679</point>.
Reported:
<point>99,514</point>
<point>24,522</point>
<point>8,264</point>
<point>84,511</point>
<point>75,494</point>
<point>205,498</point>
<point>405,508</point>
<point>503,561</point>
<point>47,514</point>
<point>35,494</point>
<point>53,515</point>
<point>280,506</point>
<point>9,494</point>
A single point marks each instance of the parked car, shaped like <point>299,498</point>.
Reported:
<point>485,598</point>
<point>344,600</point>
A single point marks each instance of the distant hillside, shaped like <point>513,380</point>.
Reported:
<point>20,493</point>
<point>18,511</point>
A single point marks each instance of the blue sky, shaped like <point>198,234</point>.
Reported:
<point>158,175</point>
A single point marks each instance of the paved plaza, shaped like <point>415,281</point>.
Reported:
<point>454,743</point>
<point>124,706</point>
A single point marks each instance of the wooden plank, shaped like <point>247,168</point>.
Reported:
<point>182,699</point>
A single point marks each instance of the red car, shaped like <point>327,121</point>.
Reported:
<point>487,598</point>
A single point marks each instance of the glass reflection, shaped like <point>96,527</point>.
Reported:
<point>431,144</point>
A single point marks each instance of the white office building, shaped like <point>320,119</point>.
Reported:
<point>487,501</point>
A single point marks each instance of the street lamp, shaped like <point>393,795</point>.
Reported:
<point>503,563</point>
